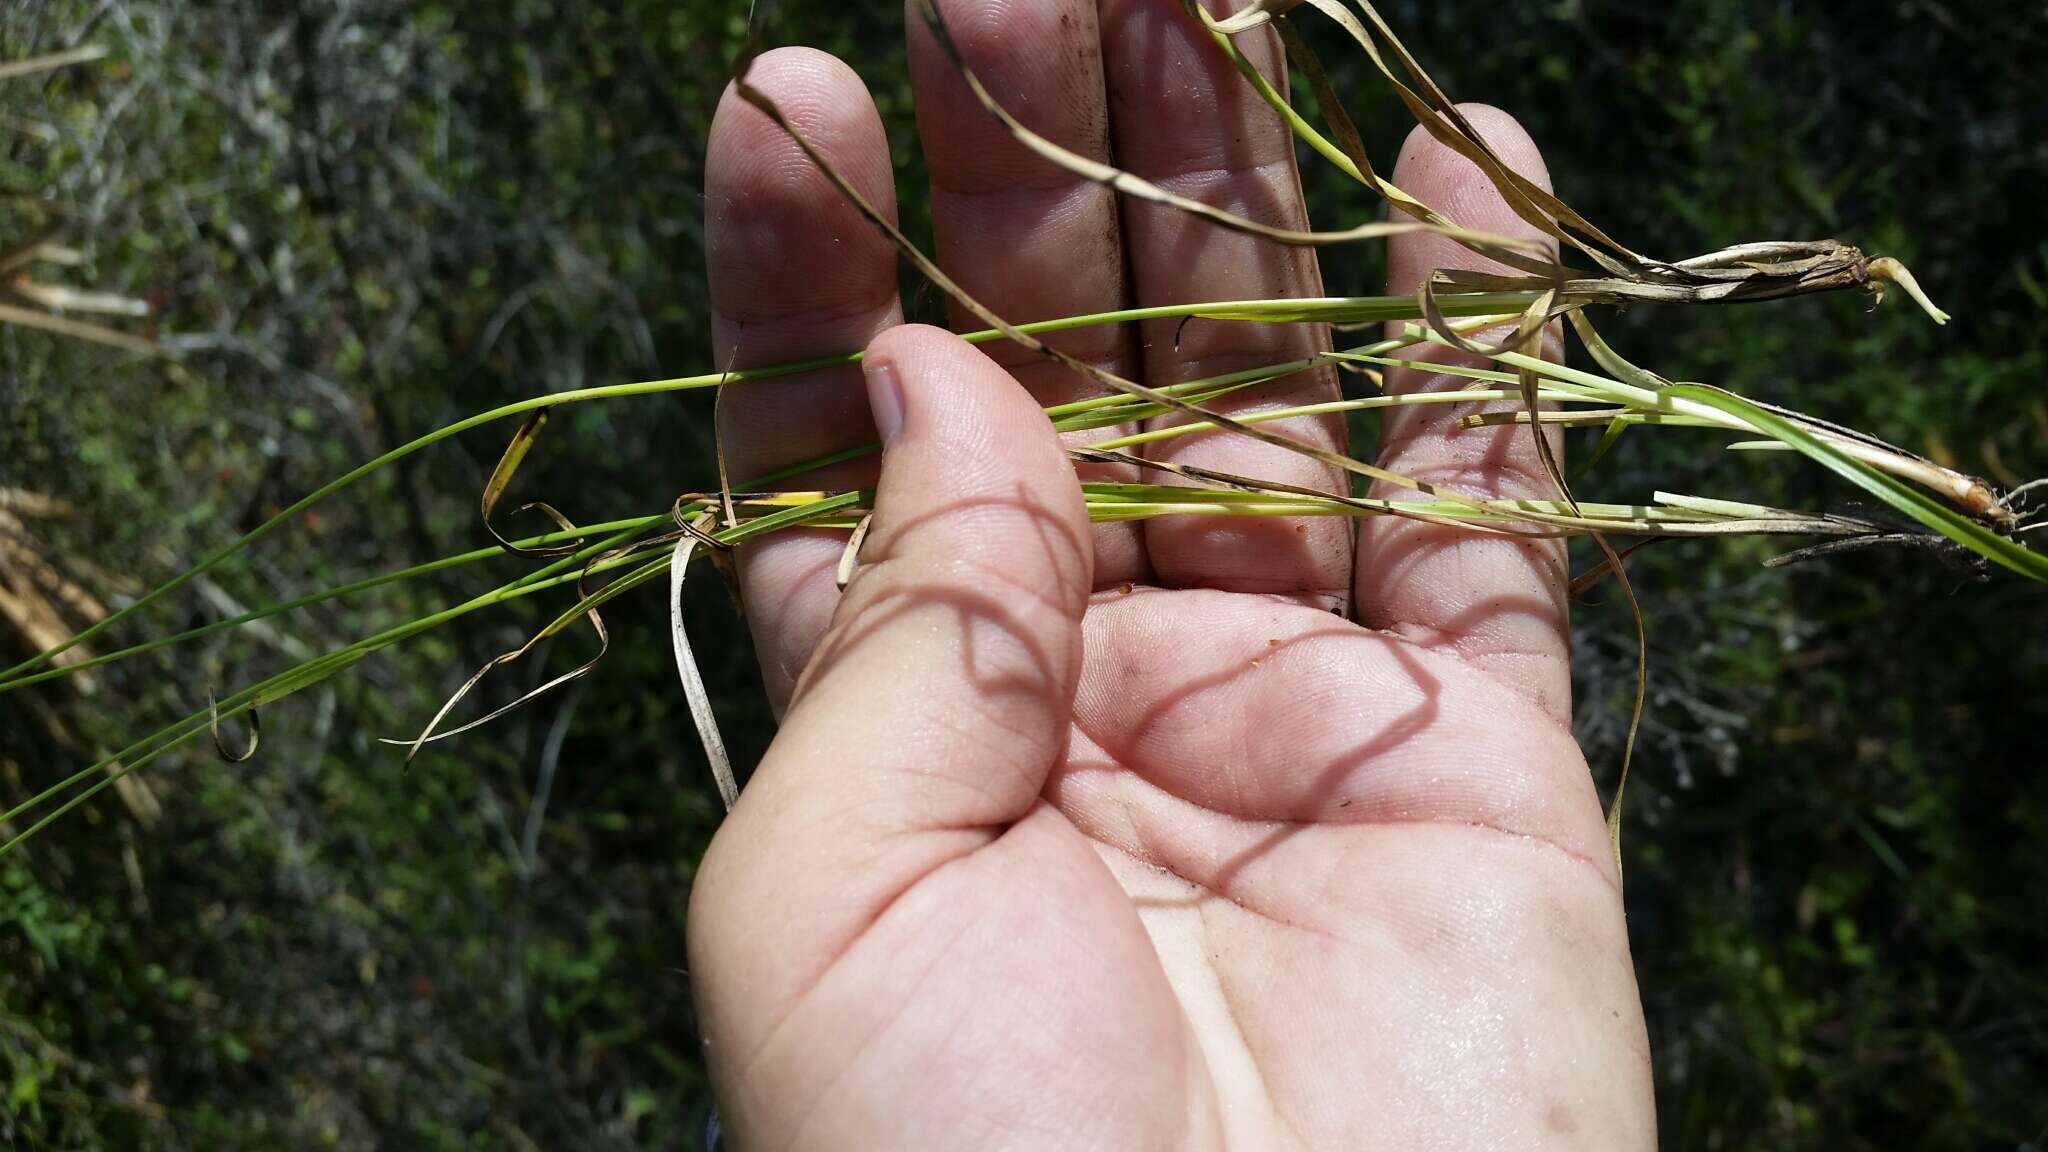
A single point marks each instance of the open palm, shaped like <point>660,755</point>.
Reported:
<point>1200,834</point>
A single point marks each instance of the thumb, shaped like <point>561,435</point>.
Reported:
<point>934,707</point>
<point>952,658</point>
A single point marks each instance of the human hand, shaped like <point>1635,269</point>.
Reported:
<point>1121,837</point>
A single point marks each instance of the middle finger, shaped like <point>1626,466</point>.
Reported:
<point>1184,119</point>
<point>1027,238</point>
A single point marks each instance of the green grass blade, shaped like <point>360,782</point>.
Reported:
<point>338,592</point>
<point>1900,496</point>
<point>305,674</point>
<point>1356,309</point>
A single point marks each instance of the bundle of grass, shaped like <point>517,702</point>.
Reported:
<point>1935,506</point>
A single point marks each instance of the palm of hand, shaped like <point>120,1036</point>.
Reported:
<point>1354,896</point>
<point>1041,858</point>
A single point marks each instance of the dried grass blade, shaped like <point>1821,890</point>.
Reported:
<point>213,719</point>
<point>1440,116</point>
<point>81,330</point>
<point>1350,158</point>
<point>62,298</point>
<point>501,477</point>
<point>586,608</point>
<point>1586,581</point>
<point>849,557</point>
<point>1133,185</point>
<point>925,265</point>
<point>694,692</point>
<point>1903,498</point>
<point>83,54</point>
<point>1635,716</point>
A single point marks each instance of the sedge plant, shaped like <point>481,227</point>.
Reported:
<point>585,566</point>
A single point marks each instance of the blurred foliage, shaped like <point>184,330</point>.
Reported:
<point>359,220</point>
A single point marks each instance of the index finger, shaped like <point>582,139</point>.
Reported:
<point>796,272</point>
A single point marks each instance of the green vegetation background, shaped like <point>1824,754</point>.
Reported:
<point>362,220</point>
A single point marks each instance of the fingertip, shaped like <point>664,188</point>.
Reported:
<point>1433,173</point>
<point>1040,58</point>
<point>820,93</point>
<point>774,222</point>
<point>951,390</point>
<point>1177,105</point>
<point>971,455</point>
<point>1425,162</point>
<point>906,340</point>
<point>915,374</point>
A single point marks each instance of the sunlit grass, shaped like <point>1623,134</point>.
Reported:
<point>607,560</point>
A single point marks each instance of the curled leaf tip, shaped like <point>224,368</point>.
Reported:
<point>213,718</point>
<point>1257,13</point>
<point>1884,270</point>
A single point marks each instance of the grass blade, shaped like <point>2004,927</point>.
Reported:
<point>1899,496</point>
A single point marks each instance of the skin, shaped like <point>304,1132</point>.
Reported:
<point>1200,834</point>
